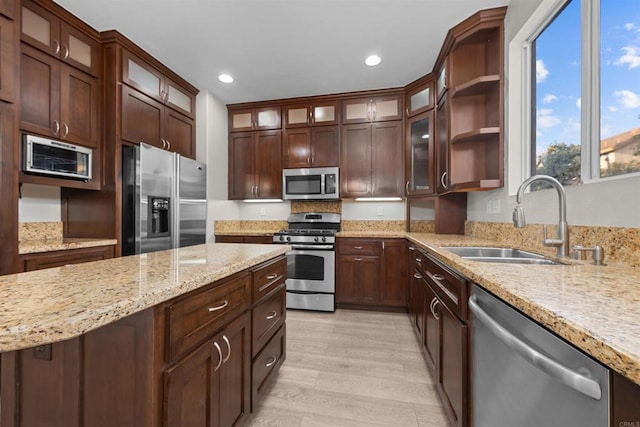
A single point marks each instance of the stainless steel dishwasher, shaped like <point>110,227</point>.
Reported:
<point>525,376</point>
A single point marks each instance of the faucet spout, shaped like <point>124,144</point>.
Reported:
<point>562,242</point>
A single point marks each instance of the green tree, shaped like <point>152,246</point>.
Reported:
<point>560,161</point>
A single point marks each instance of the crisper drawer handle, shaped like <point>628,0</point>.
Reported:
<point>568,377</point>
<point>220,307</point>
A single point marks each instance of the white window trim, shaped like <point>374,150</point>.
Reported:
<point>519,81</point>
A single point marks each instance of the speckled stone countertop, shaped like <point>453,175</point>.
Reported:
<point>245,233</point>
<point>55,304</point>
<point>47,245</point>
<point>594,307</point>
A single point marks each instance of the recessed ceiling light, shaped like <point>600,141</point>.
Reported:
<point>372,60</point>
<point>225,78</point>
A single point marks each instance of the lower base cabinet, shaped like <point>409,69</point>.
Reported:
<point>178,364</point>
<point>38,261</point>
<point>210,386</point>
<point>370,272</point>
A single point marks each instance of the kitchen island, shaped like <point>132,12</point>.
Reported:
<point>122,341</point>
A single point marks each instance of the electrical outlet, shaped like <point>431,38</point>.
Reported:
<point>489,206</point>
<point>263,211</point>
<point>380,211</point>
<point>495,206</point>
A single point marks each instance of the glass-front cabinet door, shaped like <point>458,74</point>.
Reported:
<point>420,154</point>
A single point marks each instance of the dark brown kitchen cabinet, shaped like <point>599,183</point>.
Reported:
<point>442,146</point>
<point>252,119</point>
<point>445,335</point>
<point>145,120</point>
<point>222,238</point>
<point>475,76</point>
<point>393,290</point>
<point>49,33</point>
<point>371,160</point>
<point>415,303</point>
<point>312,114</point>
<point>420,155</point>
<point>147,79</point>
<point>370,272</point>
<point>419,96</point>
<point>211,385</point>
<point>8,47</point>
<point>255,165</point>
<point>369,109</point>
<point>311,147</point>
<point>38,261</point>
<point>57,100</point>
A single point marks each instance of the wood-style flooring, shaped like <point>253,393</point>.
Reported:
<point>351,368</point>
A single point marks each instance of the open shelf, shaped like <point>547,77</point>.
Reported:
<point>479,135</point>
<point>479,185</point>
<point>477,86</point>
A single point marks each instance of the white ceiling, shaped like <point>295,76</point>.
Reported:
<point>285,48</point>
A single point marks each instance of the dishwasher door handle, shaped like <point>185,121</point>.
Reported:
<point>568,377</point>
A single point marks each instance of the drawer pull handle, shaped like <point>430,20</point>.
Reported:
<point>438,276</point>
<point>358,247</point>
<point>215,344</point>
<point>272,315</point>
<point>418,260</point>
<point>357,259</point>
<point>271,276</point>
<point>417,276</point>
<point>220,307</point>
<point>411,248</point>
<point>272,361</point>
<point>226,340</point>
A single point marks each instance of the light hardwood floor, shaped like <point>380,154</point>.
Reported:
<point>351,368</point>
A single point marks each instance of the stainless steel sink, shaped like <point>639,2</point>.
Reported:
<point>501,255</point>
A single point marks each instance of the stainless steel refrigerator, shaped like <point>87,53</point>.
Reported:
<point>164,202</point>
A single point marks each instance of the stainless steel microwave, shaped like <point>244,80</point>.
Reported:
<point>49,157</point>
<point>311,184</point>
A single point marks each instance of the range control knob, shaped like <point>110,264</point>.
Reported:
<point>282,238</point>
<point>324,239</point>
<point>288,239</point>
<point>315,239</point>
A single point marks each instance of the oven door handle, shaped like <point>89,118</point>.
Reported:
<point>313,247</point>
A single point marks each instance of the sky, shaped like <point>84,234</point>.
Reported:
<point>558,59</point>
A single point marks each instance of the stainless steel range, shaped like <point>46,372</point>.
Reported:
<point>311,265</point>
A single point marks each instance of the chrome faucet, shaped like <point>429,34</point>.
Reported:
<point>562,242</point>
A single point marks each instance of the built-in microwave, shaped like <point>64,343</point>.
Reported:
<point>49,157</point>
<point>311,184</point>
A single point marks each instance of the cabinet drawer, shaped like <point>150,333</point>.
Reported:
<point>266,365</point>
<point>42,260</point>
<point>267,277</point>
<point>196,317</point>
<point>268,316</point>
<point>450,288</point>
<point>358,246</point>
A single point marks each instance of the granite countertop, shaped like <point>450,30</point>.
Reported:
<point>593,307</point>
<point>61,244</point>
<point>55,304</point>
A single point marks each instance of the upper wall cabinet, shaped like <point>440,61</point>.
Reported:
<point>247,119</point>
<point>476,95</point>
<point>147,79</point>
<point>419,96</point>
<point>58,100</point>
<point>7,58</point>
<point>7,9</point>
<point>312,114</point>
<point>45,31</point>
<point>372,109</point>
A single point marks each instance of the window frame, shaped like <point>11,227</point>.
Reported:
<point>521,71</point>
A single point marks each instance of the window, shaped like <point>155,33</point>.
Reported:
<point>585,84</point>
